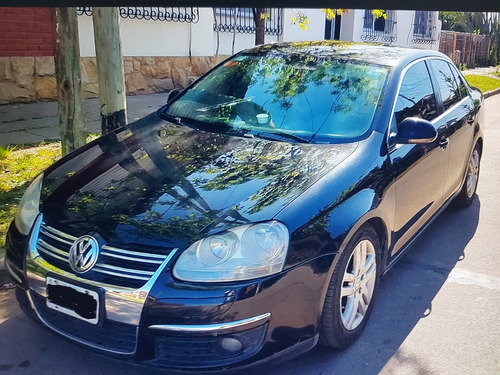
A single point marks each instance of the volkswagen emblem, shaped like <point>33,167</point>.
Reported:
<point>83,254</point>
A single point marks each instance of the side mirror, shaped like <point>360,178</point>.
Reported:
<point>414,130</point>
<point>173,94</point>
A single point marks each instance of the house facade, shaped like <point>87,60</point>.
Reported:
<point>415,29</point>
<point>169,47</point>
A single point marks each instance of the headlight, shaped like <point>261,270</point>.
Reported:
<point>28,207</point>
<point>242,253</point>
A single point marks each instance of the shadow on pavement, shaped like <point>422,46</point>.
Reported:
<point>405,297</point>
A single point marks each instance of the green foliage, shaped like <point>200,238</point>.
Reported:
<point>5,152</point>
<point>19,167</point>
<point>466,22</point>
<point>483,83</point>
<point>454,21</point>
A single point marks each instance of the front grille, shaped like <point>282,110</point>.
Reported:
<point>205,351</point>
<point>110,336</point>
<point>115,266</point>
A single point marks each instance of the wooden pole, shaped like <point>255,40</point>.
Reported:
<point>72,128</point>
<point>455,49</point>
<point>108,51</point>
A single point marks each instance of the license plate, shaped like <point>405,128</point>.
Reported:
<point>73,300</point>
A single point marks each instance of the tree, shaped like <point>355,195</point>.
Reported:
<point>259,17</point>
<point>72,128</point>
<point>466,22</point>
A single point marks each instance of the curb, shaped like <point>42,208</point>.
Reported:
<point>487,94</point>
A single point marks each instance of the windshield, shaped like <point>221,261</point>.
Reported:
<point>307,98</point>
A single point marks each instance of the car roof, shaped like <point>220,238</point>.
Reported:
<point>369,52</point>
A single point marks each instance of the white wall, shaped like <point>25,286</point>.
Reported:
<point>242,41</point>
<point>293,33</point>
<point>156,38</point>
<point>347,26</point>
<point>86,34</point>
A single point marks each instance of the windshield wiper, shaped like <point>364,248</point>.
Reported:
<point>280,136</point>
<point>175,119</point>
<point>178,120</point>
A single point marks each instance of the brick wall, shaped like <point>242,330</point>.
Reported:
<point>26,32</point>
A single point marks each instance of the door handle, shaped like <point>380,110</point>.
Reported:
<point>443,143</point>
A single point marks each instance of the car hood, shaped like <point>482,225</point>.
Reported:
<point>161,184</point>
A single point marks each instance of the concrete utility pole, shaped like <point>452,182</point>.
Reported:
<point>72,128</point>
<point>108,49</point>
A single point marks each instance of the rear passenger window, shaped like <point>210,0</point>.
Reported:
<point>416,96</point>
<point>447,85</point>
<point>460,81</point>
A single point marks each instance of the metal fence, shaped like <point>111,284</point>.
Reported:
<point>244,21</point>
<point>169,14</point>
<point>465,49</point>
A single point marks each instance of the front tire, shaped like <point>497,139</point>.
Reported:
<point>468,192</point>
<point>351,291</point>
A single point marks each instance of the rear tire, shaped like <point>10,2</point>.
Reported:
<point>468,192</point>
<point>352,289</point>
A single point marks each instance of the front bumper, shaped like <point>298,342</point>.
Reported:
<point>178,325</point>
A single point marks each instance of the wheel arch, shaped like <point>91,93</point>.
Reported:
<point>479,142</point>
<point>372,216</point>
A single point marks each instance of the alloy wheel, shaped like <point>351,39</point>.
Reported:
<point>358,284</point>
<point>472,173</point>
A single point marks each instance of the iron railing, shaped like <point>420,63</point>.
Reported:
<point>379,29</point>
<point>169,14</point>
<point>245,22</point>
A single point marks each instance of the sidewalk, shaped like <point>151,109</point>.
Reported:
<point>35,122</point>
<point>487,71</point>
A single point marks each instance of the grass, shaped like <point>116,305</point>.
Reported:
<point>483,83</point>
<point>18,167</point>
<point>4,152</point>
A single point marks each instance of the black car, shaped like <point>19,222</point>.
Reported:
<point>253,214</point>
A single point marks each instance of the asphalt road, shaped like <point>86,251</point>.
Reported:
<point>436,312</point>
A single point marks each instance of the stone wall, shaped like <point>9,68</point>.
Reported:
<point>29,79</point>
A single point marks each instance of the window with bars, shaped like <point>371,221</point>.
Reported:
<point>424,27</point>
<point>244,22</point>
<point>379,29</point>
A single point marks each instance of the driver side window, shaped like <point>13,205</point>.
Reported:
<point>416,96</point>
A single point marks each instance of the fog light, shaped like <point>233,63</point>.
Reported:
<point>231,345</point>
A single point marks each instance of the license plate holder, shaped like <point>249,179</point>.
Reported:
<point>76,301</point>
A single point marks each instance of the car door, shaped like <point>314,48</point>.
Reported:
<point>457,118</point>
<point>419,170</point>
